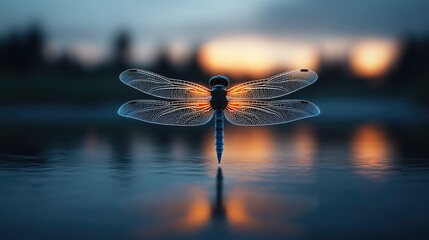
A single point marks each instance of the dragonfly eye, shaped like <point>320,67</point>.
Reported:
<point>219,80</point>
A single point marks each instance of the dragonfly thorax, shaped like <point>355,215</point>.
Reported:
<point>218,100</point>
<point>218,84</point>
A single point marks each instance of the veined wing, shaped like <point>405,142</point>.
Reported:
<point>273,87</point>
<point>175,113</point>
<point>257,113</point>
<point>163,87</point>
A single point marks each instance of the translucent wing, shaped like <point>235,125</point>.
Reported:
<point>257,113</point>
<point>163,87</point>
<point>176,113</point>
<point>273,87</point>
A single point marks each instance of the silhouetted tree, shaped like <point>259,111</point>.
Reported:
<point>410,75</point>
<point>195,69</point>
<point>67,66</point>
<point>122,50</point>
<point>163,64</point>
<point>23,53</point>
<point>11,53</point>
<point>33,48</point>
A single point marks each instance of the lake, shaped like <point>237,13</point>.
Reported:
<point>85,173</point>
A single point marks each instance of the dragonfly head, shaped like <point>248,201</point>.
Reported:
<point>219,80</point>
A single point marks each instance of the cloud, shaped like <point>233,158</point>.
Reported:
<point>380,17</point>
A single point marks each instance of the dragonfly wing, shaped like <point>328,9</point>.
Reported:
<point>163,87</point>
<point>175,113</point>
<point>273,87</point>
<point>258,113</point>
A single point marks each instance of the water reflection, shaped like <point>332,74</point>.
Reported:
<point>91,143</point>
<point>141,147</point>
<point>179,147</point>
<point>219,207</point>
<point>253,212</point>
<point>371,151</point>
<point>181,215</point>
<point>305,145</point>
<point>248,147</point>
<point>243,210</point>
<point>150,184</point>
<point>94,148</point>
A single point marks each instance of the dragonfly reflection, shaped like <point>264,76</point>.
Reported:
<point>240,105</point>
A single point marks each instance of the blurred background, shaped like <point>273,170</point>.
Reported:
<point>362,164</point>
<point>55,52</point>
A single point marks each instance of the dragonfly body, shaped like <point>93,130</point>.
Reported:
<point>219,102</point>
<point>196,105</point>
<point>219,123</point>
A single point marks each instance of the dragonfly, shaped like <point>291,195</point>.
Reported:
<point>189,104</point>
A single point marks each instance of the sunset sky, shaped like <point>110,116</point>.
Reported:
<point>237,37</point>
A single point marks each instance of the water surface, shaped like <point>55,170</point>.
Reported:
<point>122,179</point>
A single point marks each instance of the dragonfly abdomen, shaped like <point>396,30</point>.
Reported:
<point>219,102</point>
<point>219,123</point>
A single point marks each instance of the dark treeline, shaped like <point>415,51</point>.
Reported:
<point>22,61</point>
<point>22,54</point>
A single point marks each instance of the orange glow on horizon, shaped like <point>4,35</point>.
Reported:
<point>373,58</point>
<point>256,56</point>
